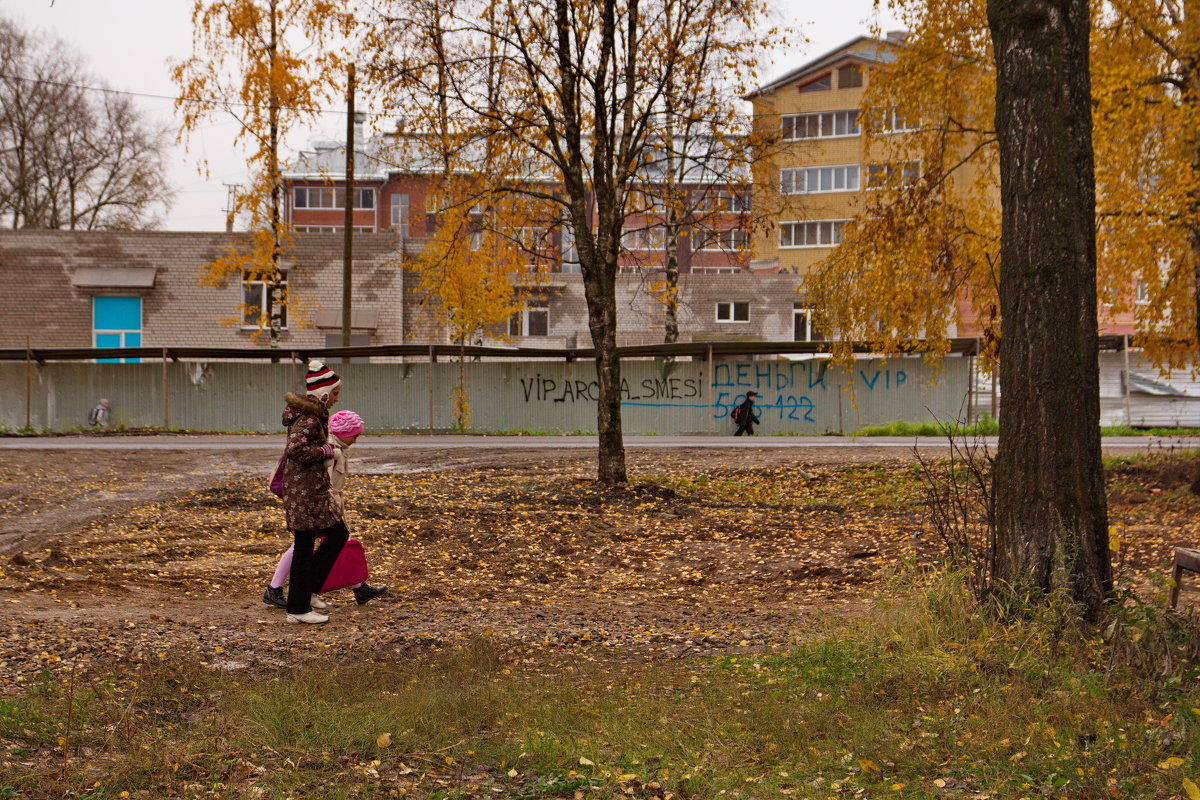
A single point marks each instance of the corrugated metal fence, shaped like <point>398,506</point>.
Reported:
<point>795,396</point>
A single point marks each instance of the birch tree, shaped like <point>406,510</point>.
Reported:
<point>566,96</point>
<point>268,64</point>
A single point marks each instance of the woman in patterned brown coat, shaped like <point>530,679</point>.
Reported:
<point>312,512</point>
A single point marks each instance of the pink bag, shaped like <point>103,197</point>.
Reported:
<point>277,477</point>
<point>349,569</point>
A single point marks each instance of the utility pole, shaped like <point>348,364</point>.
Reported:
<point>230,204</point>
<point>348,246</point>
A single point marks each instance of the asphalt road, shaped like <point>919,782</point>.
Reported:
<point>451,442</point>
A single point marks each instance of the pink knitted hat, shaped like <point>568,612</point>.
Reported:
<point>345,423</point>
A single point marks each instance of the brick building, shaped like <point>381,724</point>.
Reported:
<point>395,180</point>
<point>142,288</point>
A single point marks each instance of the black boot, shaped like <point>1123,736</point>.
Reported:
<point>274,596</point>
<point>367,592</point>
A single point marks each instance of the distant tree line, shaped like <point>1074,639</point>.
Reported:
<point>70,157</point>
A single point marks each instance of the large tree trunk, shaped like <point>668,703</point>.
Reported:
<point>1051,516</point>
<point>600,291</point>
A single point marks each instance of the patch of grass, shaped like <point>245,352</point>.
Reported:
<point>921,695</point>
<point>1124,430</point>
<point>984,427</point>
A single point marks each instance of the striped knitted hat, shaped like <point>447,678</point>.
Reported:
<point>320,380</point>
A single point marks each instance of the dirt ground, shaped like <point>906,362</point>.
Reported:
<point>113,559</point>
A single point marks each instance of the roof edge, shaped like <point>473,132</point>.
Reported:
<point>813,64</point>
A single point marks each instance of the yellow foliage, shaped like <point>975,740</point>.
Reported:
<point>269,64</point>
<point>917,249</point>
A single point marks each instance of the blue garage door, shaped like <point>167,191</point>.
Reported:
<point>117,322</point>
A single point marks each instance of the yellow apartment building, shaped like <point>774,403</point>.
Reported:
<point>807,186</point>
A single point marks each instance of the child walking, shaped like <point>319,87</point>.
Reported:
<point>308,502</point>
<point>344,429</point>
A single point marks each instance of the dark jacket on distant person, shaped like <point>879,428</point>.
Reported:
<point>745,418</point>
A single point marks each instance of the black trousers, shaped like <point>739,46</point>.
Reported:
<point>309,569</point>
<point>746,427</point>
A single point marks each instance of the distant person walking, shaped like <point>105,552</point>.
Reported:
<point>744,416</point>
<point>312,510</point>
<point>98,416</point>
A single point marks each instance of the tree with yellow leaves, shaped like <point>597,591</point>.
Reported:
<point>269,64</point>
<point>482,246</point>
<point>921,249</point>
<point>566,94</point>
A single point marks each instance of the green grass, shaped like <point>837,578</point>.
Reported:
<point>1123,430</point>
<point>921,690</point>
<point>985,427</point>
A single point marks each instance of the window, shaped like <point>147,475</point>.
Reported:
<point>802,322</point>
<point>364,199</point>
<point>733,312</point>
<point>822,233</point>
<point>821,84</point>
<point>330,229</point>
<point>730,239</point>
<point>644,238</point>
<point>723,200</point>
<point>476,241</point>
<point>892,120</point>
<point>570,253</point>
<point>531,240</point>
<point>1141,293</point>
<point>532,320</point>
<point>850,76</point>
<point>880,175</point>
<point>812,180</point>
<point>716,270</point>
<point>329,197</point>
<point>824,125</point>
<point>400,214</point>
<point>254,300</point>
<point>641,201</point>
<point>117,322</point>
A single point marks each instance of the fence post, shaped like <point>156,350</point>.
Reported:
<point>28,384</point>
<point>970,387</point>
<point>1128,404</point>
<point>432,361</point>
<point>708,390</point>
<point>166,396</point>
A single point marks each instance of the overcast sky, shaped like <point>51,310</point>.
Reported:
<point>128,42</point>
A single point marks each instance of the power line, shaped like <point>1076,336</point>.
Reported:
<point>175,98</point>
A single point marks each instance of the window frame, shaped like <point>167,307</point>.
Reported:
<point>262,286</point>
<point>821,83</point>
<point>522,319</point>
<point>649,239</point>
<point>714,241</point>
<point>732,307</point>
<point>787,179</point>
<point>837,233</point>
<point>889,170</point>
<point>852,68</point>
<point>810,330</point>
<point>846,115</point>
<point>398,220</point>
